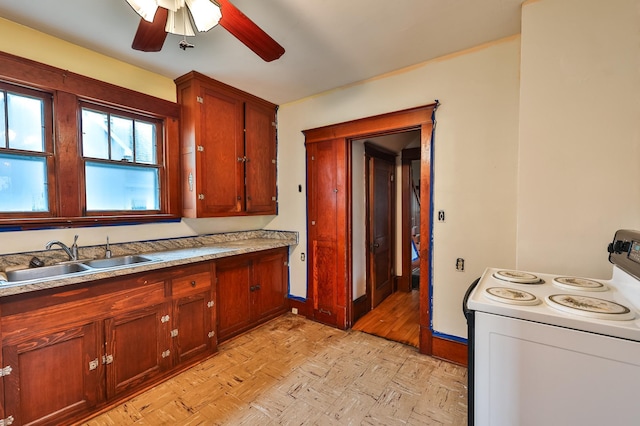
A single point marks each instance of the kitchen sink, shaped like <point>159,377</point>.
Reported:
<point>45,271</point>
<point>116,261</point>
<point>71,268</point>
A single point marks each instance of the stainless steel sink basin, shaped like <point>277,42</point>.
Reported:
<point>116,261</point>
<point>45,272</point>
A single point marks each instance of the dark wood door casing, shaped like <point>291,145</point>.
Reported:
<point>419,118</point>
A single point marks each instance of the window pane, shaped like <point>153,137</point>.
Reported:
<point>145,143</point>
<point>121,187</point>
<point>95,134</point>
<point>23,184</point>
<point>121,138</point>
<point>26,122</point>
<point>3,125</point>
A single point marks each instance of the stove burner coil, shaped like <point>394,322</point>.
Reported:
<point>574,283</point>
<point>511,296</point>
<point>517,277</point>
<point>589,307</point>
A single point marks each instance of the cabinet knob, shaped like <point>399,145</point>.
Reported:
<point>193,283</point>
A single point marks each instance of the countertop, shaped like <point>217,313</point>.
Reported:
<point>163,254</point>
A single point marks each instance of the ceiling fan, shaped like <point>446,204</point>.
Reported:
<point>158,17</point>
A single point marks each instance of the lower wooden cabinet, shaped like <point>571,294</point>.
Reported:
<point>51,379</point>
<point>73,351</point>
<point>251,289</point>
<point>137,348</point>
<point>194,315</point>
<point>70,351</point>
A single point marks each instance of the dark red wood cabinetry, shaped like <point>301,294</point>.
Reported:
<point>228,140</point>
<point>51,380</point>
<point>328,163</point>
<point>72,350</point>
<point>251,290</point>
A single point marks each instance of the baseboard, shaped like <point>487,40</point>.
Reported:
<point>360,307</point>
<point>403,283</point>
<point>301,305</point>
<point>450,350</point>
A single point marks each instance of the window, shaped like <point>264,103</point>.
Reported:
<point>25,150</point>
<point>75,151</point>
<point>122,163</point>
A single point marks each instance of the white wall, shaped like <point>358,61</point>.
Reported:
<point>475,165</point>
<point>579,160</point>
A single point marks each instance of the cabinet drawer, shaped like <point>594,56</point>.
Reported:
<point>190,284</point>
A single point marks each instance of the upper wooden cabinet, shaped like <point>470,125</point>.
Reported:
<point>228,140</point>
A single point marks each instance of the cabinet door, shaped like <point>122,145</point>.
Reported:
<point>193,324</point>
<point>260,146</point>
<point>220,160</point>
<point>234,300</point>
<point>327,226</point>
<point>54,377</point>
<point>137,347</point>
<point>269,285</point>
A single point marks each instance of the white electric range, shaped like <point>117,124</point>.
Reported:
<point>547,349</point>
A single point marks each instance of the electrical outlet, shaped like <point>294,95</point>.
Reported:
<point>460,264</point>
<point>441,216</point>
<point>294,311</point>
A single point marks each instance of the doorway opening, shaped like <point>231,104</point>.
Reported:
<point>336,271</point>
<point>390,174</point>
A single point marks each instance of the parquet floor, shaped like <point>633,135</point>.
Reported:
<point>293,371</point>
<point>396,318</point>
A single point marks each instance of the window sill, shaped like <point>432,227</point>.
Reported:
<point>23,224</point>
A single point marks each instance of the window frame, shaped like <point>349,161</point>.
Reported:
<point>159,164</point>
<point>47,153</point>
<point>68,91</point>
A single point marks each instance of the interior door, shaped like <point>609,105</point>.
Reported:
<point>381,217</point>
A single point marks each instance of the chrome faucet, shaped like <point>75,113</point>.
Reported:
<point>71,252</point>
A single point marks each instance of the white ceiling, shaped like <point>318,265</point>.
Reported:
<point>328,43</point>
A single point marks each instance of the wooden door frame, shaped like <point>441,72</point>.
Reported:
<point>408,155</point>
<point>418,118</point>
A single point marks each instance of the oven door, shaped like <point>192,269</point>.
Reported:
<point>527,373</point>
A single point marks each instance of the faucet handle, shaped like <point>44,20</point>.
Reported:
<point>74,248</point>
<point>107,253</point>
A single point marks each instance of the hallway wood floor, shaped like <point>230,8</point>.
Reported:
<point>293,371</point>
<point>397,318</point>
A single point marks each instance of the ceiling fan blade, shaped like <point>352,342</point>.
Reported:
<point>245,30</point>
<point>151,35</point>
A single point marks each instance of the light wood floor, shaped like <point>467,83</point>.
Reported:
<point>397,318</point>
<point>294,371</point>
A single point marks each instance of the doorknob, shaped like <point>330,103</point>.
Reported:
<point>376,245</point>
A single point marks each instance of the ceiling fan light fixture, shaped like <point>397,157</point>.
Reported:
<point>145,8</point>
<point>179,22</point>
<point>206,14</point>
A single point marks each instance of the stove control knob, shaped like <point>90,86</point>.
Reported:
<point>619,247</point>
